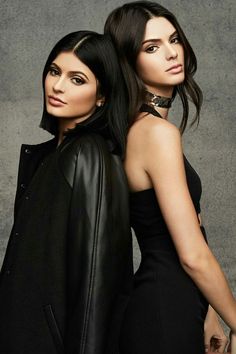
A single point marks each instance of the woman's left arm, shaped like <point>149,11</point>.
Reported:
<point>214,335</point>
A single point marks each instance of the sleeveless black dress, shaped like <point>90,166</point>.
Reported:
<point>166,311</point>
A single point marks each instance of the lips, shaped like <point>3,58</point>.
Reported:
<point>175,68</point>
<point>55,101</point>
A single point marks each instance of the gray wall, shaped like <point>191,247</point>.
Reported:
<point>30,28</point>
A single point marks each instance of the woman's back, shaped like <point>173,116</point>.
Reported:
<point>152,317</point>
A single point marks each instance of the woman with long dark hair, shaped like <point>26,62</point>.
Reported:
<point>69,252</point>
<point>178,276</point>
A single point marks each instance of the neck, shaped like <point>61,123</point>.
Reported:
<point>164,91</point>
<point>63,125</point>
<point>163,112</point>
<point>160,103</point>
<point>67,123</point>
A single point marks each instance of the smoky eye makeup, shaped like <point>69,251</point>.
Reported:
<point>53,70</point>
<point>77,77</point>
<point>151,48</point>
<point>175,37</point>
<point>77,80</point>
<point>79,74</point>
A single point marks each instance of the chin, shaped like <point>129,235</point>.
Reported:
<point>54,112</point>
<point>178,79</point>
<point>175,83</point>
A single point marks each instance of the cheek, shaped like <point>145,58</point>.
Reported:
<point>47,84</point>
<point>141,67</point>
<point>148,66</point>
<point>84,97</point>
<point>181,53</point>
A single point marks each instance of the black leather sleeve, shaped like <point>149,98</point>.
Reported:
<point>99,263</point>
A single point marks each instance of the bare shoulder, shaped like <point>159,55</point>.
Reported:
<point>151,130</point>
<point>153,143</point>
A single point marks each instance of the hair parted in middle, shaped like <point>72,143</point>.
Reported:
<point>126,25</point>
<point>98,53</point>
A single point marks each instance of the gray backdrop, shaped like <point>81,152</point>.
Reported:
<point>30,28</point>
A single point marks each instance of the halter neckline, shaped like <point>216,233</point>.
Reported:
<point>146,108</point>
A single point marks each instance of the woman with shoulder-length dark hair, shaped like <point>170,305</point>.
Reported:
<point>178,276</point>
<point>69,253</point>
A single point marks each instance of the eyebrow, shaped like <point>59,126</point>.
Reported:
<point>158,39</point>
<point>70,72</point>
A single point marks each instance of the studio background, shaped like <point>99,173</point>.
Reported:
<point>29,29</point>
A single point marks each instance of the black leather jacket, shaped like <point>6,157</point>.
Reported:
<point>67,271</point>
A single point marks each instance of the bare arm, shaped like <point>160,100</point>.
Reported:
<point>163,162</point>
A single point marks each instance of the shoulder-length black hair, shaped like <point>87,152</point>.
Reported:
<point>126,26</point>
<point>98,53</point>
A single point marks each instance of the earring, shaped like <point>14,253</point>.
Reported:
<point>100,104</point>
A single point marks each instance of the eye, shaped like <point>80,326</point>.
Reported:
<point>175,40</point>
<point>151,49</point>
<point>53,71</point>
<point>77,80</point>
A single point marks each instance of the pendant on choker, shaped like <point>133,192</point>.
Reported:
<point>158,101</point>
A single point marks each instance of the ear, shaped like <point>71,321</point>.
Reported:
<point>100,101</point>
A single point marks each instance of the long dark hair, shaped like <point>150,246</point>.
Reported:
<point>98,53</point>
<point>126,26</point>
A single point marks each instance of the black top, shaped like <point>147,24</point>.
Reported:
<point>146,217</point>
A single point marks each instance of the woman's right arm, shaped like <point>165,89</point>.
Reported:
<point>163,162</point>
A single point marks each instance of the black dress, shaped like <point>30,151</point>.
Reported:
<point>166,312</point>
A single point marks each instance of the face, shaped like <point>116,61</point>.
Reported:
<point>160,63</point>
<point>70,88</point>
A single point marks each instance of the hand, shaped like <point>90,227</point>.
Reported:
<point>232,344</point>
<point>215,338</point>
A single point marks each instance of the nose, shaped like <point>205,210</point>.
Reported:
<point>171,52</point>
<point>59,85</point>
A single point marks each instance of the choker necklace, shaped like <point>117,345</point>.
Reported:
<point>158,101</point>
